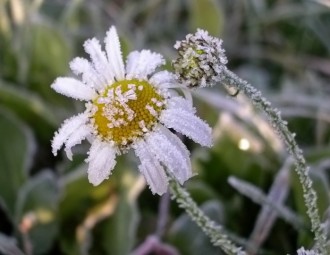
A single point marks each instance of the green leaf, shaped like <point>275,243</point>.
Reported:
<point>208,15</point>
<point>30,108</point>
<point>38,200</point>
<point>119,230</point>
<point>188,238</point>
<point>16,151</point>
<point>49,58</point>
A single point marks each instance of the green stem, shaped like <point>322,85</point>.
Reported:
<point>213,231</point>
<point>232,80</point>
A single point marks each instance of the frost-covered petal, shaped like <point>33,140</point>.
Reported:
<point>188,124</point>
<point>115,58</point>
<point>151,169</point>
<point>178,102</point>
<point>76,138</point>
<point>99,59</point>
<point>163,79</point>
<point>171,152</point>
<point>67,129</point>
<point>142,63</point>
<point>73,88</point>
<point>102,160</point>
<point>90,77</point>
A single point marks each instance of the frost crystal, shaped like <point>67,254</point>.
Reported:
<point>201,60</point>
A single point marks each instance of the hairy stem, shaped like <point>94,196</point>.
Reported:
<point>232,80</point>
<point>210,228</point>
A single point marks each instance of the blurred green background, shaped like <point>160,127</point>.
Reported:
<point>47,205</point>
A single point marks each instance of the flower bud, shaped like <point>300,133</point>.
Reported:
<point>201,60</point>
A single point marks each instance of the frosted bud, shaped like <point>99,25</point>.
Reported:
<point>201,60</point>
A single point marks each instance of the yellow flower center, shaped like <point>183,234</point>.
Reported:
<point>126,110</point>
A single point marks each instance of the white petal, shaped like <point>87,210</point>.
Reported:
<point>163,79</point>
<point>188,124</point>
<point>73,88</point>
<point>151,169</point>
<point>99,59</point>
<point>90,77</point>
<point>140,64</point>
<point>181,103</point>
<point>67,129</point>
<point>115,58</point>
<point>171,152</point>
<point>76,138</point>
<point>101,160</point>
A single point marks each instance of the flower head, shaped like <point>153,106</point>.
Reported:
<point>128,107</point>
<point>201,60</point>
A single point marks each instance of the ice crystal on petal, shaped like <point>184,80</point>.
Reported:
<point>141,64</point>
<point>151,169</point>
<point>100,62</point>
<point>188,124</point>
<point>163,79</point>
<point>73,88</point>
<point>67,129</point>
<point>76,138</point>
<point>171,152</point>
<point>90,77</point>
<point>201,60</point>
<point>101,161</point>
<point>112,46</point>
<point>124,110</point>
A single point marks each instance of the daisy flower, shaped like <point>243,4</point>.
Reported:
<point>128,107</point>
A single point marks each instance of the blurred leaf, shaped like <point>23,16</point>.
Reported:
<point>208,15</point>
<point>78,197</point>
<point>119,231</point>
<point>200,191</point>
<point>8,246</point>
<point>37,202</point>
<point>29,108</point>
<point>16,151</point>
<point>49,57</point>
<point>188,238</point>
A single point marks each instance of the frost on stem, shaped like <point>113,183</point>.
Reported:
<point>280,126</point>
<point>209,227</point>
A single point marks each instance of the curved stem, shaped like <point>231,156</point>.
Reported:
<point>213,231</point>
<point>274,117</point>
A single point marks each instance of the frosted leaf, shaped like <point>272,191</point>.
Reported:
<point>188,124</point>
<point>90,77</point>
<point>152,171</point>
<point>180,103</point>
<point>142,63</point>
<point>302,251</point>
<point>99,59</point>
<point>101,161</point>
<point>76,138</point>
<point>171,152</point>
<point>67,129</point>
<point>163,79</point>
<point>73,88</point>
<point>112,46</point>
